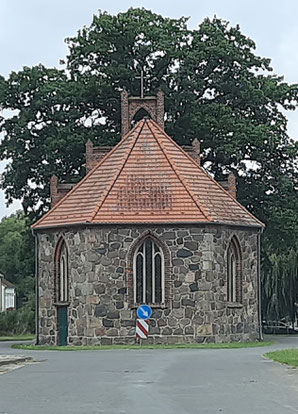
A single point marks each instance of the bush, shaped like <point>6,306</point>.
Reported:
<point>17,322</point>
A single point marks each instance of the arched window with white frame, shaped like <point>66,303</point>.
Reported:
<point>149,273</point>
<point>234,273</point>
<point>61,270</point>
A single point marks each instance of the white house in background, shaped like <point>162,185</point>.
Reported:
<point>7,295</point>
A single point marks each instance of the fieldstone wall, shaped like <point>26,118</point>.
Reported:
<point>100,286</point>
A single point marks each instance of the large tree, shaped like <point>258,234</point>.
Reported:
<point>217,89</point>
<point>17,254</point>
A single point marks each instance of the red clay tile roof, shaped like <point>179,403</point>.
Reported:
<point>147,178</point>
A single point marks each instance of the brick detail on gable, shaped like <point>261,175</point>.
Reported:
<point>230,185</point>
<point>130,105</point>
<point>95,154</point>
<point>58,190</point>
<point>194,150</point>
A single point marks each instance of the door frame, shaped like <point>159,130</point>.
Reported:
<point>61,307</point>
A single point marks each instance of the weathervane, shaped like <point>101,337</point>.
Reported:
<point>142,77</point>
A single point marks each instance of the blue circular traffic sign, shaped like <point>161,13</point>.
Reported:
<point>144,312</point>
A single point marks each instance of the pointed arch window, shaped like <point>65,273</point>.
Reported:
<point>149,273</point>
<point>234,273</point>
<point>140,114</point>
<point>61,270</point>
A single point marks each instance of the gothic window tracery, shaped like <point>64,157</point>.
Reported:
<point>149,273</point>
<point>234,276</point>
<point>61,272</point>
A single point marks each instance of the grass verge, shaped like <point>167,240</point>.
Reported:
<point>232,345</point>
<point>285,356</point>
<point>26,337</point>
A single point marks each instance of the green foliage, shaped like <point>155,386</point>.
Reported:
<point>44,134</point>
<point>17,255</point>
<point>18,322</point>
<point>279,284</point>
<point>17,266</point>
<point>285,356</point>
<point>16,248</point>
<point>25,337</point>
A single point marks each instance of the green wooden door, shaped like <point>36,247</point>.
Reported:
<point>62,325</point>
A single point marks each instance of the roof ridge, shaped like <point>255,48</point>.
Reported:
<point>181,179</point>
<point>116,175</point>
<point>7,283</point>
<point>207,175</point>
<point>86,177</point>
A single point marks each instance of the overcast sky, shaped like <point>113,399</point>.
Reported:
<point>33,32</point>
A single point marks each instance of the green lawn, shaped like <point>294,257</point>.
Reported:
<point>285,356</point>
<point>232,345</point>
<point>26,337</point>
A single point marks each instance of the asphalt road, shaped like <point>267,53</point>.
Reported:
<point>238,381</point>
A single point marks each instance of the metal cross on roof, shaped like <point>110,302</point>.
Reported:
<point>142,77</point>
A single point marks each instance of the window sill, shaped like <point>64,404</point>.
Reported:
<point>61,303</point>
<point>234,305</point>
<point>161,306</point>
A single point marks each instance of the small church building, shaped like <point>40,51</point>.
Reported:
<point>146,225</point>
